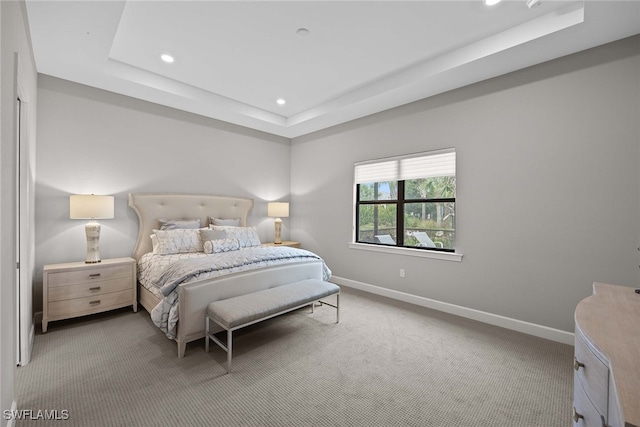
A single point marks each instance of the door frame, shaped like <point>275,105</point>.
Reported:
<point>24,234</point>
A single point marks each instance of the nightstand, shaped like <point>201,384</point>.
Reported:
<point>78,289</point>
<point>285,243</point>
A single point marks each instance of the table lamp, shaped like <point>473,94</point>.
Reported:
<point>278,210</point>
<point>91,207</point>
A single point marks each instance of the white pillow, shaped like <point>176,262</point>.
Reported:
<point>247,236</point>
<point>178,241</point>
<point>154,242</point>
<point>221,245</point>
<point>172,224</point>
<point>235,222</point>
<point>209,234</point>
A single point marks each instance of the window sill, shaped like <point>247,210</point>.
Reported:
<point>447,256</point>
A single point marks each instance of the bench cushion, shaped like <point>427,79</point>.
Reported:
<point>247,308</point>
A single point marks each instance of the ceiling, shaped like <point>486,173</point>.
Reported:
<point>234,59</point>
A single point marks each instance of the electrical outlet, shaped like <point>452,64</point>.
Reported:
<point>402,272</point>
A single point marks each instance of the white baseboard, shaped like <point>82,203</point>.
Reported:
<point>552,334</point>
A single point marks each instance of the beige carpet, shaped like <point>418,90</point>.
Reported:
<point>386,363</point>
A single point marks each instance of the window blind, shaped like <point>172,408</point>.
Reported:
<point>420,165</point>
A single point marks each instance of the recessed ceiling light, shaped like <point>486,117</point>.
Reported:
<point>281,101</point>
<point>167,58</point>
<point>303,32</point>
<point>491,2</point>
<point>533,3</point>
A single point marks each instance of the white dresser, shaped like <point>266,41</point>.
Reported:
<point>78,289</point>
<point>607,358</point>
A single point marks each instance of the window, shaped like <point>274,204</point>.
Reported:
<point>407,201</point>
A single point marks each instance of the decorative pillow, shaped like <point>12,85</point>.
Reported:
<point>221,245</point>
<point>174,224</point>
<point>247,236</point>
<point>209,234</point>
<point>224,222</point>
<point>178,241</point>
<point>154,242</point>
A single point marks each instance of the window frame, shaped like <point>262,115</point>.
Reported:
<point>400,202</point>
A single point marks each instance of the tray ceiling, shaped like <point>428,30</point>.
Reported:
<point>331,61</point>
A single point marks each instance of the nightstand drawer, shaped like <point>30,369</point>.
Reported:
<point>584,413</point>
<point>88,305</point>
<point>95,274</point>
<point>61,293</point>
<point>592,374</point>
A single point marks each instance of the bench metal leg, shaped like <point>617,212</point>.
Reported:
<point>206,334</point>
<point>336,306</point>
<point>229,348</point>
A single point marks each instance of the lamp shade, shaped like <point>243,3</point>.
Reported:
<point>90,206</point>
<point>278,209</point>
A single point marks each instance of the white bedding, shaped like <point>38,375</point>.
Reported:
<point>162,274</point>
<point>150,263</point>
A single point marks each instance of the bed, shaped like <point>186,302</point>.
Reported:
<point>180,299</point>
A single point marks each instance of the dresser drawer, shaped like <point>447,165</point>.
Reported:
<point>584,413</point>
<point>89,305</point>
<point>614,418</point>
<point>592,374</point>
<point>61,293</point>
<point>65,278</point>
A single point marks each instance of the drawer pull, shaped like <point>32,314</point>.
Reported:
<point>576,416</point>
<point>96,302</point>
<point>577,365</point>
<point>95,288</point>
<point>94,275</point>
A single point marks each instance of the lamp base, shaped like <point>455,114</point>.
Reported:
<point>92,230</point>
<point>278,236</point>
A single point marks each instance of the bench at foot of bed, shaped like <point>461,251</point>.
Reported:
<point>244,310</point>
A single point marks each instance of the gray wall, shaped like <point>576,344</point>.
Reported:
<point>93,141</point>
<point>548,187</point>
<point>548,182</point>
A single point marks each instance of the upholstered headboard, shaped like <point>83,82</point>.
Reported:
<point>153,206</point>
